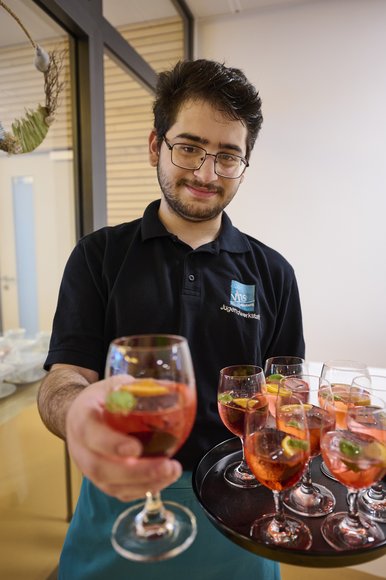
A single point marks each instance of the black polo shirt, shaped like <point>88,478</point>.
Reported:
<point>235,299</point>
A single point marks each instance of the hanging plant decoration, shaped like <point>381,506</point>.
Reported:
<point>28,132</point>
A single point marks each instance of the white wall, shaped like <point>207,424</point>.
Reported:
<point>316,188</point>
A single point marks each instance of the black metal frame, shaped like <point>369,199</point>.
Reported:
<point>91,34</point>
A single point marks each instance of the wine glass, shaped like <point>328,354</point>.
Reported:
<point>238,384</point>
<point>157,405</point>
<point>357,460</point>
<point>307,498</point>
<point>372,501</point>
<point>340,374</point>
<point>284,366</point>
<point>277,457</point>
<point>277,367</point>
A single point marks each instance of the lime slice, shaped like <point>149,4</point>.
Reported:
<point>225,398</point>
<point>274,378</point>
<point>120,401</point>
<point>291,446</point>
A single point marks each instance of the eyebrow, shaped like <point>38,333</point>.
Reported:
<point>203,141</point>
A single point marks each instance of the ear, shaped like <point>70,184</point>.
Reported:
<point>153,149</point>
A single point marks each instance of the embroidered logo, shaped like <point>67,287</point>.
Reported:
<point>243,296</point>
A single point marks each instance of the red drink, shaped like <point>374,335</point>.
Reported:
<point>316,418</point>
<point>298,387</point>
<point>159,413</point>
<point>341,395</point>
<point>276,459</point>
<point>232,408</point>
<point>355,459</point>
<point>370,420</point>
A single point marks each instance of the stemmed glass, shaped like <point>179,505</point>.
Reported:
<point>307,498</point>
<point>357,460</point>
<point>277,457</point>
<point>157,405</point>
<point>238,384</point>
<point>277,367</point>
<point>340,374</point>
<point>372,501</point>
<point>284,366</point>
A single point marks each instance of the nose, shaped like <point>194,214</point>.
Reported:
<point>206,172</point>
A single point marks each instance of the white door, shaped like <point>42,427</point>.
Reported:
<point>37,232</point>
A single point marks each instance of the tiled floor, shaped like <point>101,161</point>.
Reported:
<point>33,504</point>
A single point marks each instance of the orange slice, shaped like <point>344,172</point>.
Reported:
<point>145,388</point>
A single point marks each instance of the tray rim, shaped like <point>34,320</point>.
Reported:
<point>307,558</point>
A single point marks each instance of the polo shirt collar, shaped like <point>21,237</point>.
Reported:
<point>230,238</point>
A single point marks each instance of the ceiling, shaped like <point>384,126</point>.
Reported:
<point>117,12</point>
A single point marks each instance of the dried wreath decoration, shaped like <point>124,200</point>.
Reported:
<point>29,132</point>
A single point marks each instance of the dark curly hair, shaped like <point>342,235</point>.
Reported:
<point>226,89</point>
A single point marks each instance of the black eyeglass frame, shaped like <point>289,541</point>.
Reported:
<point>170,147</point>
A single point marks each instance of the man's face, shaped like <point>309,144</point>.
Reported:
<point>198,195</point>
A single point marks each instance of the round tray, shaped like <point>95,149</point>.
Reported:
<point>233,510</point>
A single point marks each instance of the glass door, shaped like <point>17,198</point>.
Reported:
<point>37,213</point>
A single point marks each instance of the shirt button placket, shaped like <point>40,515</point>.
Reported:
<point>191,277</point>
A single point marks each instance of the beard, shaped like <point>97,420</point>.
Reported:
<point>192,211</point>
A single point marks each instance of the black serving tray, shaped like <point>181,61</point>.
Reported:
<point>232,511</point>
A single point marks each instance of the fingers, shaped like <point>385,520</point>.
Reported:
<point>102,439</point>
<point>85,423</point>
<point>110,459</point>
<point>142,476</point>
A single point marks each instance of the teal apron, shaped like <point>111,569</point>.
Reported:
<point>88,554</point>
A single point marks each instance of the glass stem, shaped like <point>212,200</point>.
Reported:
<point>353,515</point>
<point>153,520</point>
<point>376,491</point>
<point>243,467</point>
<point>279,518</point>
<point>306,482</point>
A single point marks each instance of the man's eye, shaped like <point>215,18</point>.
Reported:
<point>189,150</point>
<point>227,158</point>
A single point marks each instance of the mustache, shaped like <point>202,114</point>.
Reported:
<point>195,183</point>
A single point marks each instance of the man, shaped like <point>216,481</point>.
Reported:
<point>181,269</point>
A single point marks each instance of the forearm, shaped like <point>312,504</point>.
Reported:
<point>57,391</point>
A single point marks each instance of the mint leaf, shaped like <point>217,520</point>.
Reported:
<point>349,448</point>
<point>120,402</point>
<point>293,423</point>
<point>225,398</point>
<point>298,444</point>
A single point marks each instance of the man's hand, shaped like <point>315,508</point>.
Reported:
<point>71,407</point>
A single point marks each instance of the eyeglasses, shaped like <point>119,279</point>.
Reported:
<point>192,157</point>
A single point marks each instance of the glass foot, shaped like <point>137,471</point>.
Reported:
<point>293,534</point>
<point>175,536</point>
<point>338,531</point>
<point>324,469</point>
<point>240,478</point>
<point>373,507</point>
<point>315,502</point>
